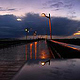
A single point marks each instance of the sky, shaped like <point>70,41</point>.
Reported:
<point>65,17</point>
<point>61,8</point>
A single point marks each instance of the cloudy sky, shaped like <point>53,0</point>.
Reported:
<point>65,17</point>
<point>62,8</point>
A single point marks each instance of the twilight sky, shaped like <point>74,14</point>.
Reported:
<point>65,17</point>
<point>61,8</point>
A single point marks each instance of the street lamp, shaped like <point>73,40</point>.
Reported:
<point>44,15</point>
<point>34,34</point>
<point>27,31</point>
<point>18,19</point>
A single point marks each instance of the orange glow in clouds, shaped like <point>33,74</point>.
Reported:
<point>77,33</point>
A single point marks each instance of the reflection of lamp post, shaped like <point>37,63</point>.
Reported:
<point>44,15</point>
<point>43,63</point>
<point>27,31</point>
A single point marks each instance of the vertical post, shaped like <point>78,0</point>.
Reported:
<point>50,27</point>
<point>26,30</point>
<point>26,35</point>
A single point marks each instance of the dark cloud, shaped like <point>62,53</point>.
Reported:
<point>69,6</point>
<point>53,4</point>
<point>57,9</point>
<point>64,26</point>
<point>7,9</point>
<point>57,5</point>
<point>71,14</point>
<point>35,22</point>
<point>52,1</point>
<point>10,27</point>
<point>13,9</point>
<point>2,9</point>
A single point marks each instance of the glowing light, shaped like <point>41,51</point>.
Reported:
<point>43,15</point>
<point>43,55</point>
<point>31,51</point>
<point>19,19</point>
<point>35,49</point>
<point>78,33</point>
<point>26,29</point>
<point>43,63</point>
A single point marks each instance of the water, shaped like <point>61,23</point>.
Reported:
<point>57,70</point>
<point>24,62</point>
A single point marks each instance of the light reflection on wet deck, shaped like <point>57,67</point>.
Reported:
<point>53,69</point>
<point>13,58</point>
<point>37,50</point>
<point>23,62</point>
<point>58,70</point>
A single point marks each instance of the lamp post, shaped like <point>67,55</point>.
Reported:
<point>34,34</point>
<point>27,31</point>
<point>44,15</point>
